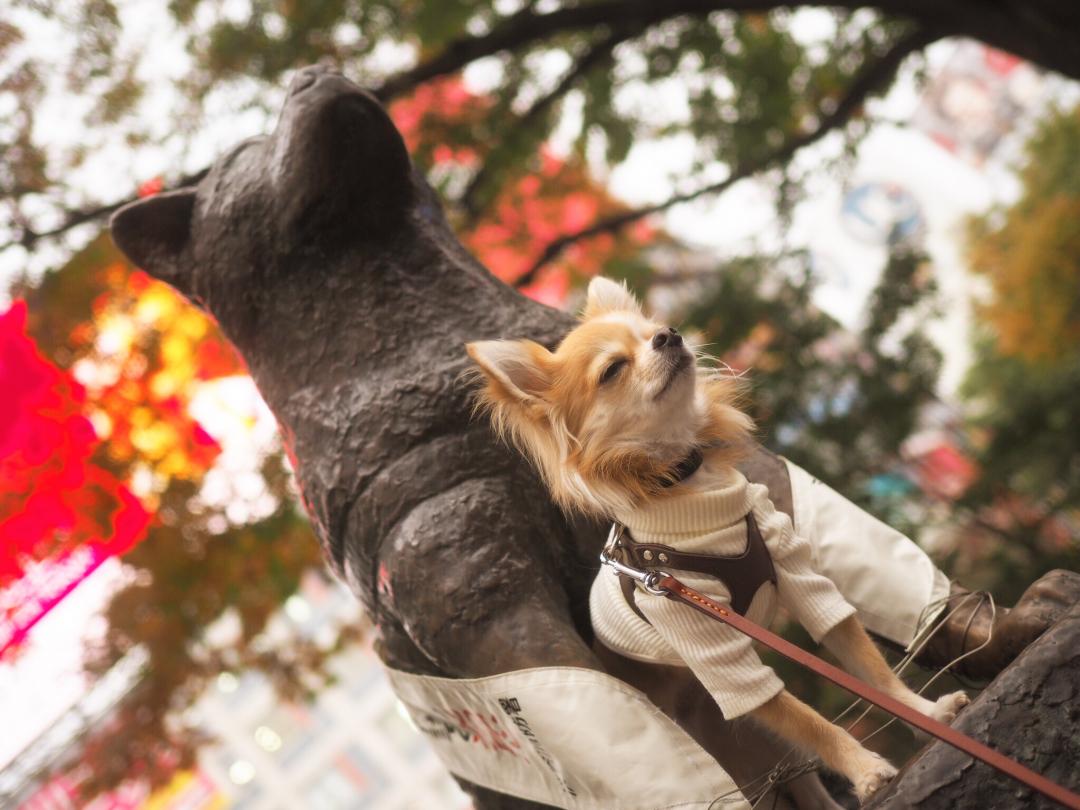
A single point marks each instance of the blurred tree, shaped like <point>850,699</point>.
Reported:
<point>1030,251</point>
<point>1024,505</point>
<point>750,94</point>
<point>835,402</point>
<point>1024,386</point>
<point>187,575</point>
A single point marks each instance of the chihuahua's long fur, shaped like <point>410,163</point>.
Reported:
<point>606,418</point>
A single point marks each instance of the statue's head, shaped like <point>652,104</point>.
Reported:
<point>334,173</point>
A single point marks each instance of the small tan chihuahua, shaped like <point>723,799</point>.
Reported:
<point>610,420</point>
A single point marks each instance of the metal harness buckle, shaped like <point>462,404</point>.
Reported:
<point>649,580</point>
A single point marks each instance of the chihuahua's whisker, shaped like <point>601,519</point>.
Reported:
<point>732,372</point>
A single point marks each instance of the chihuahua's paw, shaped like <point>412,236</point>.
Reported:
<point>875,775</point>
<point>948,706</point>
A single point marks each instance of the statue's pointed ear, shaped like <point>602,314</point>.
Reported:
<point>154,234</point>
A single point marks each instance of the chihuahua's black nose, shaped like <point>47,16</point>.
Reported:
<point>668,336</point>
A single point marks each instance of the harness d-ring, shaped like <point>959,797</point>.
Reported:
<point>649,580</point>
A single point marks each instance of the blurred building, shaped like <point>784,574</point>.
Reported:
<point>351,748</point>
<point>354,747</point>
<point>975,100</point>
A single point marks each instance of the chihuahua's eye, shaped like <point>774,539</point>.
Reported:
<point>612,371</point>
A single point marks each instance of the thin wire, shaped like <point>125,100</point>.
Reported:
<point>920,628</point>
<point>761,797</point>
<point>742,791</point>
<point>903,663</point>
<point>781,772</point>
<point>955,661</point>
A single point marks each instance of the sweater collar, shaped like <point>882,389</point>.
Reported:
<point>682,510</point>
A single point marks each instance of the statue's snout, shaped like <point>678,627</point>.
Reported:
<point>307,76</point>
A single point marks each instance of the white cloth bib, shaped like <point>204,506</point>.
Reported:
<point>569,737</point>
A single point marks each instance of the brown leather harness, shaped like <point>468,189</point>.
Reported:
<point>742,575</point>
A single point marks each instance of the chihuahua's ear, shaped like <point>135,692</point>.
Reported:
<point>516,369</point>
<point>606,295</point>
<point>154,233</point>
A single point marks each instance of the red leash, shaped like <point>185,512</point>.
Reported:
<point>670,587</point>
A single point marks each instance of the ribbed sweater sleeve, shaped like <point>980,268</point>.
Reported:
<point>811,598</point>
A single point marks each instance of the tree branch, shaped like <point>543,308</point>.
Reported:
<point>518,30</point>
<point>869,79</point>
<point>1043,31</point>
<point>528,26</point>
<point>592,57</point>
<point>31,237</point>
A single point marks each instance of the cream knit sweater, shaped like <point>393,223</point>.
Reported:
<point>723,659</point>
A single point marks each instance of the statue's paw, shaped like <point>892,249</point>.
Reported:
<point>1045,601</point>
<point>948,706</point>
<point>875,774</point>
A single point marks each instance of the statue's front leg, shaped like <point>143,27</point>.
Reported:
<point>1008,630</point>
<point>470,576</point>
<point>468,587</point>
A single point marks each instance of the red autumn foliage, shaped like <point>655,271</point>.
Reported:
<point>52,494</point>
<point>557,197</point>
<point>68,447</point>
<point>434,119</point>
<point>153,186</point>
